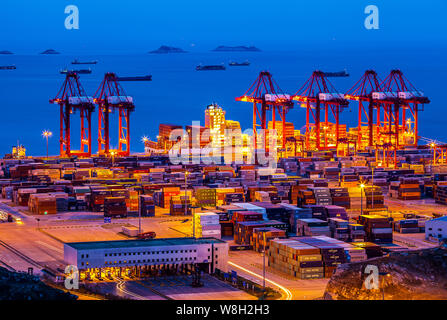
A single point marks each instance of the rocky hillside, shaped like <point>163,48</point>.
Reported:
<point>21,286</point>
<point>413,275</point>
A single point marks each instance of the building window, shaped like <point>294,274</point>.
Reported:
<point>82,263</point>
<point>82,256</point>
<point>208,249</point>
<point>105,255</point>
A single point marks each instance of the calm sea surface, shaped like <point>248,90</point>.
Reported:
<point>178,94</point>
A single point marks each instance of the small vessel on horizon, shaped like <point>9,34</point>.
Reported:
<point>76,61</point>
<point>11,67</point>
<point>201,67</point>
<point>239,64</point>
<point>80,71</point>
<point>343,73</point>
<point>136,78</point>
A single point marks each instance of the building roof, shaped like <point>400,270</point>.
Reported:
<point>444,218</point>
<point>115,244</point>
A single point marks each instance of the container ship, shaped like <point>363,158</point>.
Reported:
<point>8,67</point>
<point>76,61</point>
<point>136,78</point>
<point>80,71</point>
<point>239,64</point>
<point>210,67</point>
<point>343,73</point>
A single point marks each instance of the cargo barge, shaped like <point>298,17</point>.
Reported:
<point>239,64</point>
<point>210,67</point>
<point>76,61</point>
<point>80,71</point>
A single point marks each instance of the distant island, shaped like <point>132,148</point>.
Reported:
<point>166,49</point>
<point>237,48</point>
<point>5,52</point>
<point>50,51</point>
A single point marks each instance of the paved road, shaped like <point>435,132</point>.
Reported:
<point>249,264</point>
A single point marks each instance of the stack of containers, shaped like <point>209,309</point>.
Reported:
<point>374,197</point>
<point>146,206</point>
<point>306,197</point>
<point>353,253</point>
<point>441,194</point>
<point>339,229</point>
<point>296,259</point>
<point>132,201</point>
<point>168,192</point>
<point>407,226</point>
<point>115,206</point>
<point>378,229</point>
<point>372,250</point>
<point>274,211</point>
<point>393,191</point>
<point>409,189</point>
<point>262,196</point>
<point>206,224</point>
<point>318,212</point>
<point>322,196</point>
<point>252,207</point>
<point>312,227</point>
<point>97,199</point>
<point>42,203</point>
<point>234,197</point>
<point>179,204</point>
<point>294,213</point>
<point>356,198</point>
<point>340,197</point>
<point>332,174</point>
<point>356,232</point>
<point>332,254</point>
<point>262,236</point>
<point>205,197</point>
<point>336,212</point>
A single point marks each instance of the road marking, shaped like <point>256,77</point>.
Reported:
<point>50,246</point>
<point>284,289</point>
<point>120,287</point>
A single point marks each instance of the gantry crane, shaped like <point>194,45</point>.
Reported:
<point>406,97</point>
<point>316,94</point>
<point>362,92</point>
<point>266,92</point>
<point>70,98</point>
<point>111,96</point>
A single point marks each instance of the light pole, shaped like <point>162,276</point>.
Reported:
<point>113,153</point>
<point>145,140</point>
<point>186,197</point>
<point>47,134</point>
<point>384,274</point>
<point>433,146</point>
<point>263,268</point>
<point>361,198</point>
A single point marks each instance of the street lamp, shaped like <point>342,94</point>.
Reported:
<point>145,140</point>
<point>47,134</point>
<point>433,146</point>
<point>387,275</point>
<point>186,186</point>
<point>361,198</point>
<point>113,154</point>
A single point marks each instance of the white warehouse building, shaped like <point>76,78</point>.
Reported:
<point>436,229</point>
<point>147,253</point>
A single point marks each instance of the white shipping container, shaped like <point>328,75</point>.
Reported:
<point>410,94</point>
<point>273,97</point>
<point>79,100</point>
<point>119,99</point>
